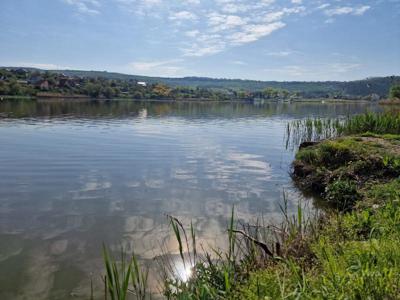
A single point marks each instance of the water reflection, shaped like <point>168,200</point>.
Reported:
<point>74,175</point>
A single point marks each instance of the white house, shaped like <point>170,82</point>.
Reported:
<point>142,83</point>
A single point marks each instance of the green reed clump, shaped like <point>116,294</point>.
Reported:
<point>318,129</point>
<point>216,275</point>
<point>311,130</point>
<point>212,274</point>
<point>125,279</point>
<point>377,123</point>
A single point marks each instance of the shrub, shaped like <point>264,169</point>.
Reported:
<point>342,194</point>
<point>335,154</point>
<point>395,91</point>
<point>308,156</point>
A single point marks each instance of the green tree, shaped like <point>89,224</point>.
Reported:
<point>270,93</point>
<point>395,91</point>
<point>4,89</point>
<point>108,92</point>
<point>93,90</point>
<point>15,88</point>
<point>138,95</point>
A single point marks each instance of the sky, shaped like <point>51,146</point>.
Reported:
<point>284,40</point>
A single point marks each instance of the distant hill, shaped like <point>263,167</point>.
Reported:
<point>357,88</point>
<point>361,88</point>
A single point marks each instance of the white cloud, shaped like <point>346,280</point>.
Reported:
<point>234,8</point>
<point>291,71</point>
<point>251,33</point>
<point>322,6</point>
<point>274,16</point>
<point>90,7</point>
<point>343,67</point>
<point>160,68</point>
<point>141,7</point>
<point>239,62</point>
<point>209,27</point>
<point>347,10</point>
<point>199,50</point>
<point>192,2</point>
<point>281,53</point>
<point>324,71</point>
<point>228,30</point>
<point>45,66</point>
<point>192,33</point>
<point>220,22</point>
<point>182,15</point>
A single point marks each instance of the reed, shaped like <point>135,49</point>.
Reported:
<point>124,279</point>
<point>384,123</point>
<point>318,129</point>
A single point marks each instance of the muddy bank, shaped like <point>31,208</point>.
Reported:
<point>345,170</point>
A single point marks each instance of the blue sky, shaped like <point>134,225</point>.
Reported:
<point>251,39</point>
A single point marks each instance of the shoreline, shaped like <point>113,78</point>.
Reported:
<point>83,98</point>
<point>348,251</point>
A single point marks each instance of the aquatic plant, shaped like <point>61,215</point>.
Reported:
<point>318,129</point>
<point>311,130</point>
<point>124,278</point>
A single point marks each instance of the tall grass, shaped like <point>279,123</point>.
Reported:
<point>311,130</point>
<point>317,129</point>
<point>384,123</point>
<point>214,274</point>
<point>338,256</point>
<point>125,279</point>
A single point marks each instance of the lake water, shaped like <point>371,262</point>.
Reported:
<point>75,175</point>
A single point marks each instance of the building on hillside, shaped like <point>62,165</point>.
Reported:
<point>142,83</point>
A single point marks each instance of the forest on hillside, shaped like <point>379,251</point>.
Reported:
<point>94,84</point>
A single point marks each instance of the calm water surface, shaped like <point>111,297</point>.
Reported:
<point>75,175</point>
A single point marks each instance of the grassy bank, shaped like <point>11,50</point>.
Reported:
<point>350,251</point>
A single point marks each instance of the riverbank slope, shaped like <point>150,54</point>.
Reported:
<point>352,253</point>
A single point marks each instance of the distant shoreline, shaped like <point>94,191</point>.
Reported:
<point>84,98</point>
<point>390,102</point>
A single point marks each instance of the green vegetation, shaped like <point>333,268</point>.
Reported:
<point>350,251</point>
<point>73,83</point>
<point>395,91</point>
<point>330,89</point>
<point>341,171</point>
<point>314,130</point>
<point>23,82</point>
<point>124,277</point>
<point>388,123</point>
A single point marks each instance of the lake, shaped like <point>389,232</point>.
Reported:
<point>76,174</point>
